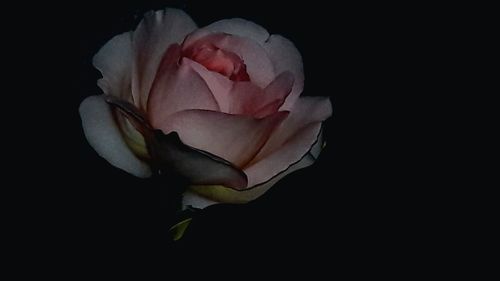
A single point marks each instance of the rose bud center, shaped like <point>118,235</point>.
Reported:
<point>224,62</point>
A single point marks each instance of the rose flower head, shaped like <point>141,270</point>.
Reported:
<point>219,105</point>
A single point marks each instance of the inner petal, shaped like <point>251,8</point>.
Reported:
<point>215,59</point>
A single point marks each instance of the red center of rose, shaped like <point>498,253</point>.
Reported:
<point>224,62</point>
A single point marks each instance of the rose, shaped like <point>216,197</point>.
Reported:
<point>219,105</point>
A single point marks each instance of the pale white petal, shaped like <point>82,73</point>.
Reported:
<point>114,61</point>
<point>240,27</point>
<point>105,137</point>
<point>194,200</point>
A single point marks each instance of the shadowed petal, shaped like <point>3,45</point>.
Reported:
<point>198,166</point>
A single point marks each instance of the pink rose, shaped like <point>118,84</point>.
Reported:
<point>219,105</point>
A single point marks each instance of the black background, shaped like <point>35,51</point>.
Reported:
<point>355,204</point>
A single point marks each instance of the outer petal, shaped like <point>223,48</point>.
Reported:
<point>155,33</point>
<point>190,198</point>
<point>290,152</point>
<point>114,60</point>
<point>203,196</point>
<point>286,57</point>
<point>176,89</point>
<point>307,110</point>
<point>259,66</point>
<point>240,27</point>
<point>104,136</point>
<point>234,138</point>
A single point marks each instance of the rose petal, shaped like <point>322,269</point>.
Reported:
<point>104,136</point>
<point>259,66</point>
<point>132,123</point>
<point>290,152</point>
<point>307,110</point>
<point>232,137</point>
<point>240,27</point>
<point>318,146</point>
<point>156,32</point>
<point>133,138</point>
<point>285,57</point>
<point>245,97</point>
<point>280,87</point>
<point>199,166</point>
<point>219,85</point>
<point>177,88</point>
<point>190,198</point>
<point>202,196</point>
<point>268,109</point>
<point>276,93</point>
<point>114,61</point>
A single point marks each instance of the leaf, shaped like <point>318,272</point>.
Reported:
<point>178,229</point>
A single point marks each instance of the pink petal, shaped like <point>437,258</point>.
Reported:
<point>114,61</point>
<point>219,85</point>
<point>259,66</point>
<point>276,93</point>
<point>248,99</point>
<point>244,98</point>
<point>232,137</point>
<point>177,88</point>
<point>289,153</point>
<point>268,109</point>
<point>105,137</point>
<point>285,57</point>
<point>308,159</point>
<point>155,33</point>
<point>307,110</point>
<point>291,140</point>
